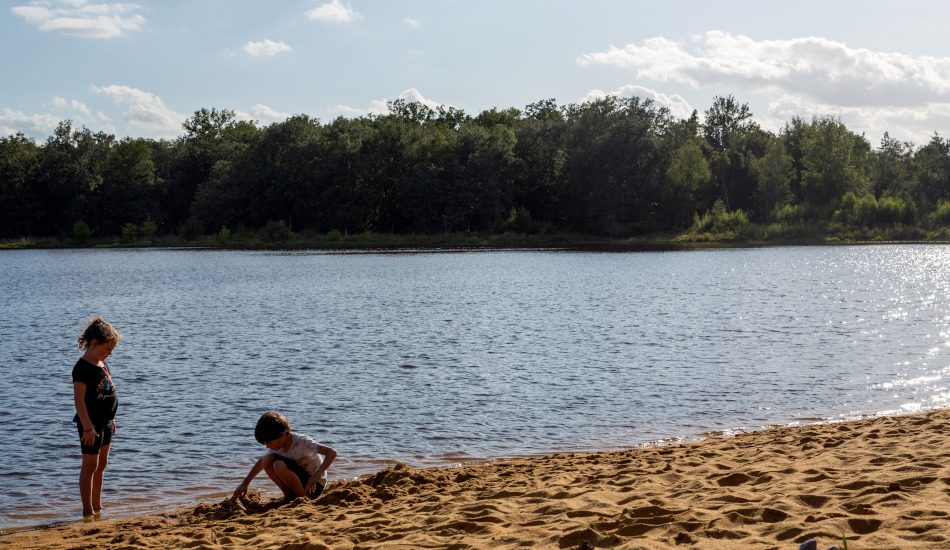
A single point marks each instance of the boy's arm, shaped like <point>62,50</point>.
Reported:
<point>242,488</point>
<point>329,455</point>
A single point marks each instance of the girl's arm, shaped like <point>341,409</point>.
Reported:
<point>242,488</point>
<point>79,397</point>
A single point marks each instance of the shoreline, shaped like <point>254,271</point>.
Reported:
<point>882,481</point>
<point>462,242</point>
<point>371,467</point>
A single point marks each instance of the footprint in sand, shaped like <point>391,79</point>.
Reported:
<point>814,501</point>
<point>733,480</point>
<point>862,526</point>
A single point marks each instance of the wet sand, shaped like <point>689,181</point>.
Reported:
<point>882,482</point>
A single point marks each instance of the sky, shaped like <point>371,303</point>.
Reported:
<point>140,68</point>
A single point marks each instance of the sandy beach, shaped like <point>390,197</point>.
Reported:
<point>882,482</point>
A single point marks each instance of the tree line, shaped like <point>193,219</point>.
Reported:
<point>614,166</point>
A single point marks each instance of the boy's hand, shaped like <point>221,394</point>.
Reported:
<point>240,491</point>
<point>311,485</point>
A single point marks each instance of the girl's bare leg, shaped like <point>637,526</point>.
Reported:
<point>90,463</point>
<point>97,479</point>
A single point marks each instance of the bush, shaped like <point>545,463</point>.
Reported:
<point>276,232</point>
<point>148,230</point>
<point>867,211</point>
<point>334,236</point>
<point>81,231</point>
<point>191,229</point>
<point>788,213</point>
<point>129,233</point>
<point>724,224</point>
<point>520,221</point>
<point>224,235</point>
<point>940,217</point>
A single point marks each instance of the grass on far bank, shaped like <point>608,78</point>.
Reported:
<point>359,241</point>
<point>775,234</point>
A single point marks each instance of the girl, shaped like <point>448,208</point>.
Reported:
<point>96,403</point>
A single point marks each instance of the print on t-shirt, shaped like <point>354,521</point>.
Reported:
<point>105,389</point>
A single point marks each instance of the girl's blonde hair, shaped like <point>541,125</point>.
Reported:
<point>100,330</point>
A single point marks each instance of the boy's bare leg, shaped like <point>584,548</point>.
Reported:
<point>90,463</point>
<point>290,479</point>
<point>96,499</point>
<point>270,469</point>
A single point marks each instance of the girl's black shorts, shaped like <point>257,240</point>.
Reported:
<point>103,438</point>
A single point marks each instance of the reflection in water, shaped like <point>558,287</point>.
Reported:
<point>443,358</point>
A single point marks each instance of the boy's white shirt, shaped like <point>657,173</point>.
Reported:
<point>303,451</point>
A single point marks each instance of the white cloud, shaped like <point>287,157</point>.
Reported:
<point>266,48</point>
<point>679,107</point>
<point>80,18</point>
<point>40,126</point>
<point>80,107</point>
<point>334,10</point>
<point>37,126</point>
<point>861,86</point>
<point>412,95</point>
<point>263,114</point>
<point>80,111</point>
<point>144,112</point>
<point>412,23</point>
<point>377,107</point>
<point>380,107</point>
<point>822,69</point>
<point>915,124</point>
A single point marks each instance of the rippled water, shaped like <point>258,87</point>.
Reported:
<point>437,358</point>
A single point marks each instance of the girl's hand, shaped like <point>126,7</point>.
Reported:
<point>89,437</point>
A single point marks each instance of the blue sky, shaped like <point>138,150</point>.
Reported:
<point>140,68</point>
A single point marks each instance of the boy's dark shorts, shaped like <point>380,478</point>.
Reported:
<point>302,474</point>
<point>103,438</point>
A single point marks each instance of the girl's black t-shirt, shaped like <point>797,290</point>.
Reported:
<point>100,399</point>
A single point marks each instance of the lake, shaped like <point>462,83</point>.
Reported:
<point>436,358</point>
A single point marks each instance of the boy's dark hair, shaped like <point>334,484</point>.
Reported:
<point>270,426</point>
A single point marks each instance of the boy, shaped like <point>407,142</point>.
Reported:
<point>294,462</point>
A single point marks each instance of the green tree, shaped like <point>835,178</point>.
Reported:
<point>793,136</point>
<point>891,167</point>
<point>835,162</point>
<point>931,173</point>
<point>70,169</point>
<point>774,174</point>
<point>615,165</point>
<point>127,193</point>
<point>487,168</point>
<point>727,127</point>
<point>210,136</point>
<point>19,162</point>
<point>540,149</point>
<point>687,177</point>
